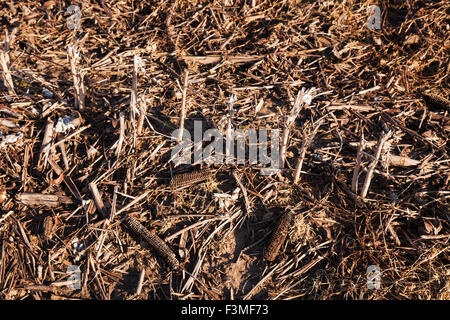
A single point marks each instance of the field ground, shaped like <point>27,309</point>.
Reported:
<point>373,189</point>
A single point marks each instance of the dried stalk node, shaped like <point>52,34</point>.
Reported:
<point>160,247</point>
<point>278,236</point>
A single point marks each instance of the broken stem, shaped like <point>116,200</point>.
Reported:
<point>372,166</point>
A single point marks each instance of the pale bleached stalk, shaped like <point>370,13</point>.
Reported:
<point>63,151</point>
<point>142,111</point>
<point>362,145</point>
<point>289,121</point>
<point>183,107</point>
<point>4,63</point>
<point>121,134</point>
<point>284,141</point>
<point>142,106</point>
<point>140,282</point>
<point>80,93</point>
<point>46,143</point>
<point>248,207</point>
<point>133,101</point>
<point>97,199</point>
<point>229,152</point>
<point>372,166</point>
<point>305,145</point>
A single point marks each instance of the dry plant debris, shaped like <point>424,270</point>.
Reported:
<point>87,111</point>
<point>278,237</point>
<point>153,240</point>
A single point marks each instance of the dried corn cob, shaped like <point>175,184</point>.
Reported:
<point>153,240</point>
<point>436,100</point>
<point>278,236</point>
<point>188,178</point>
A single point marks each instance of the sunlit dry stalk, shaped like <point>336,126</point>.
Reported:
<point>62,148</point>
<point>121,134</point>
<point>56,288</point>
<point>46,143</point>
<point>4,63</point>
<point>188,178</point>
<point>229,152</point>
<point>305,145</point>
<point>381,141</point>
<point>183,106</point>
<point>140,282</point>
<point>400,161</point>
<point>97,199</point>
<point>142,111</point>
<point>67,180</point>
<point>9,123</point>
<point>137,64</point>
<point>361,147</point>
<point>278,236</point>
<point>153,240</point>
<point>248,207</point>
<point>73,54</point>
<point>288,121</point>
<point>40,199</point>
